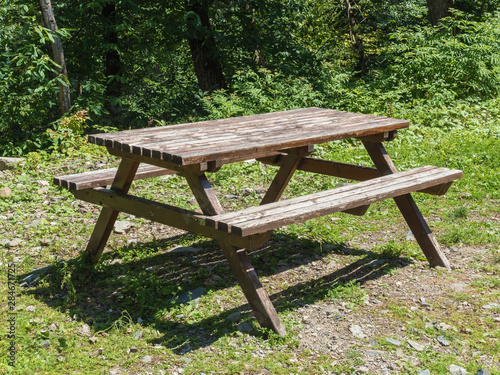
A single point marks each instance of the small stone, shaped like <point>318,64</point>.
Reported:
<point>30,308</point>
<point>138,335</point>
<point>372,342</point>
<point>92,339</point>
<point>139,320</point>
<point>415,345</point>
<point>457,370</point>
<point>84,330</point>
<point>60,358</point>
<point>376,353</point>
<point>132,349</point>
<point>363,370</point>
<point>230,196</point>
<point>483,371</point>
<point>45,241</point>
<point>245,327</point>
<point>458,287</point>
<point>115,371</point>
<point>424,372</point>
<point>53,327</point>
<point>8,162</point>
<point>234,317</point>
<point>14,243</point>
<point>410,236</point>
<point>492,305</point>
<point>45,344</point>
<point>443,341</point>
<point>122,227</point>
<point>98,352</point>
<point>496,319</point>
<point>185,349</point>
<point>185,249</point>
<point>192,295</point>
<point>393,341</point>
<point>5,192</point>
<point>42,190</point>
<point>356,331</point>
<point>400,353</point>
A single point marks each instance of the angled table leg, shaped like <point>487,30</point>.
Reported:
<point>104,225</point>
<point>409,209</point>
<point>238,260</point>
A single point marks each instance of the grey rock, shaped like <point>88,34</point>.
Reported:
<point>372,342</point>
<point>139,320</point>
<point>42,190</point>
<point>234,317</point>
<point>5,192</point>
<point>4,242</point>
<point>84,330</point>
<point>30,308</point>
<point>146,359</point>
<point>356,331</point>
<point>230,196</point>
<point>410,236</point>
<point>138,335</point>
<point>185,349</point>
<point>376,353</point>
<point>393,341</point>
<point>415,345</point>
<point>457,370</point>
<point>115,371</point>
<point>492,305</point>
<point>185,249</point>
<point>98,352</point>
<point>424,372</point>
<point>14,243</point>
<point>121,227</point>
<point>93,339</point>
<point>245,327</point>
<point>45,344</point>
<point>191,295</point>
<point>133,349</point>
<point>443,341</point>
<point>9,163</point>
<point>458,287</point>
<point>483,371</point>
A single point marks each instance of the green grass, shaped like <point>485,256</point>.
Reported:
<point>141,279</point>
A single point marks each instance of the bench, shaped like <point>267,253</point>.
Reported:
<point>104,177</point>
<point>261,219</point>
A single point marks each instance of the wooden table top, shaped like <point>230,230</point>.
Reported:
<point>245,137</point>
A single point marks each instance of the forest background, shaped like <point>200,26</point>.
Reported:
<point>74,67</point>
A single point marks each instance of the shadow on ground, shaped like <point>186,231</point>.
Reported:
<point>145,280</point>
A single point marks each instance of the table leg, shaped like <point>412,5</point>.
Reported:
<point>104,225</point>
<point>238,260</point>
<point>409,209</point>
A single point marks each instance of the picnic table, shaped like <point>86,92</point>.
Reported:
<point>284,139</point>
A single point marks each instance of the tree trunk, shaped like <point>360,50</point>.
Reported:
<point>49,22</point>
<point>438,9</point>
<point>112,67</point>
<point>203,49</point>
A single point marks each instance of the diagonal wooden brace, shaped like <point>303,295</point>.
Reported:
<point>104,225</point>
<point>238,260</point>
<point>409,209</point>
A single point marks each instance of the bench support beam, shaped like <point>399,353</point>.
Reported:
<point>238,260</point>
<point>409,209</point>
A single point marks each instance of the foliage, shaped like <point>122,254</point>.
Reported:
<point>28,79</point>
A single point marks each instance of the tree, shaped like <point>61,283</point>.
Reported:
<point>49,22</point>
<point>203,48</point>
<point>438,9</point>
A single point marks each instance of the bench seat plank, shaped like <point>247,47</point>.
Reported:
<point>264,218</point>
<point>104,177</point>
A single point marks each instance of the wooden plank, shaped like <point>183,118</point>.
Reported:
<point>307,200</point>
<point>264,218</point>
<point>327,167</point>
<point>104,177</point>
<point>187,220</point>
<point>122,181</point>
<point>409,209</point>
